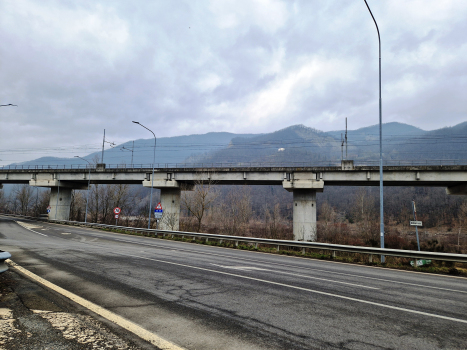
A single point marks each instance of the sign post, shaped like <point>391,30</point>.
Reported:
<point>415,222</point>
<point>158,213</point>
<point>117,212</point>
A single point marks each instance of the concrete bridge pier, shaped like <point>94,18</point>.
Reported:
<point>170,200</point>
<point>304,215</point>
<point>304,204</point>
<point>60,194</point>
<point>60,203</point>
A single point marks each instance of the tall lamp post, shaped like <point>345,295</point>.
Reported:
<point>152,177</point>
<point>381,212</point>
<point>87,193</point>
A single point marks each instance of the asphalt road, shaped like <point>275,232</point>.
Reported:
<point>203,297</point>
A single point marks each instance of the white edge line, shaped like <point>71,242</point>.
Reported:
<point>122,322</point>
<point>306,289</point>
<point>27,228</point>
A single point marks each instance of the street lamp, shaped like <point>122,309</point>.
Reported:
<point>381,212</point>
<point>87,193</point>
<point>152,177</point>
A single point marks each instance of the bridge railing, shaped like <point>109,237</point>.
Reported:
<point>337,163</point>
<point>412,254</point>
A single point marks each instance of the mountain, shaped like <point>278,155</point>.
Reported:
<point>301,145</point>
<point>389,130</point>
<point>292,145</point>
<point>449,143</point>
<point>169,150</point>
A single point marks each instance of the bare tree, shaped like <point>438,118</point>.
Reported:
<point>78,206</point>
<point>462,217</point>
<point>364,213</point>
<point>23,195</point>
<point>273,220</point>
<point>236,211</point>
<point>170,220</point>
<point>3,202</point>
<point>198,201</point>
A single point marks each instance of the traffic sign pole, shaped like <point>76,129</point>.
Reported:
<point>117,212</point>
<point>415,219</point>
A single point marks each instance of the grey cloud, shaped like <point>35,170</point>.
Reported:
<point>76,68</point>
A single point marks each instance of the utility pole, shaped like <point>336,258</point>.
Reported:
<point>342,147</point>
<point>346,155</point>
<point>103,141</point>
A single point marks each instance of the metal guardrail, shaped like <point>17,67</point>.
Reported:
<point>336,163</point>
<point>413,254</point>
<point>4,256</point>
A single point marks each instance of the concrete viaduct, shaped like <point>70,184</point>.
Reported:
<point>304,182</point>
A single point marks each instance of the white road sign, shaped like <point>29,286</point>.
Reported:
<point>416,223</point>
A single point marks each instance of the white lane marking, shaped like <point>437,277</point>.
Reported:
<point>294,266</point>
<point>242,268</point>
<point>303,268</point>
<point>66,233</point>
<point>249,268</point>
<point>122,322</point>
<point>304,289</point>
<point>27,228</point>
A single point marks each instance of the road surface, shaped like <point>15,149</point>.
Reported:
<point>203,297</point>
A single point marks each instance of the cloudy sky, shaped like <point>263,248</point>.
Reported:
<point>75,68</point>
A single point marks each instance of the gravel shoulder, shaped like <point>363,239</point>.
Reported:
<point>32,317</point>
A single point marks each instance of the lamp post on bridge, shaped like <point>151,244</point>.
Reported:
<point>87,193</point>
<point>152,177</point>
<point>381,211</point>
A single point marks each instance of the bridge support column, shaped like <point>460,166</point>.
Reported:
<point>304,215</point>
<point>60,195</point>
<point>304,204</point>
<point>170,201</point>
<point>60,203</point>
